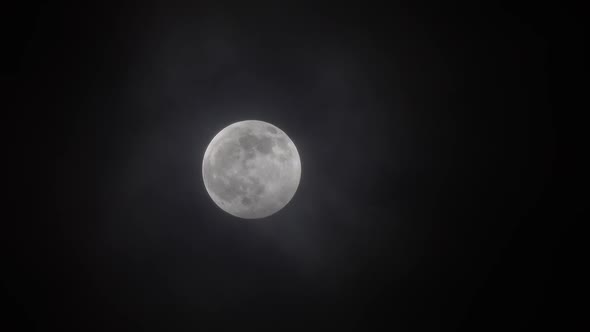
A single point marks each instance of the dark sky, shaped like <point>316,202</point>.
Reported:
<point>427,143</point>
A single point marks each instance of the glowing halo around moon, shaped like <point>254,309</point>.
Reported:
<point>251,169</point>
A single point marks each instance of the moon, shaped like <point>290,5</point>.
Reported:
<point>251,169</point>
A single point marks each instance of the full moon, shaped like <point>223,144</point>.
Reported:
<point>251,169</point>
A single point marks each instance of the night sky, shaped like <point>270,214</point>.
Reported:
<point>427,143</point>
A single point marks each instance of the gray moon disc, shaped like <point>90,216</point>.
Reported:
<point>251,169</point>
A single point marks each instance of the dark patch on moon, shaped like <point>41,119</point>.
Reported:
<point>248,141</point>
<point>262,144</point>
<point>258,187</point>
<point>250,154</point>
<point>271,130</point>
<point>265,145</point>
<point>282,143</point>
<point>246,201</point>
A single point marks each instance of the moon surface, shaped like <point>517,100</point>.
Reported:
<point>251,169</point>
